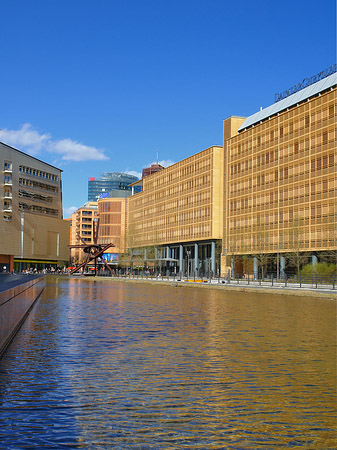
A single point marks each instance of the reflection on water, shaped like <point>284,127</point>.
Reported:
<point>128,366</point>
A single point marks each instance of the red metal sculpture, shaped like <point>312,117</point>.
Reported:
<point>93,251</point>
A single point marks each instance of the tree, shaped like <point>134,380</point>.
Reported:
<point>321,269</point>
<point>232,253</point>
<point>295,257</point>
<point>330,238</point>
<point>261,242</point>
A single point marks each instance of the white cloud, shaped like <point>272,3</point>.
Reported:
<point>67,212</point>
<point>74,151</point>
<point>25,139</point>
<point>165,162</point>
<point>32,142</point>
<point>133,172</point>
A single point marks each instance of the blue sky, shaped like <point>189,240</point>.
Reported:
<point>93,86</point>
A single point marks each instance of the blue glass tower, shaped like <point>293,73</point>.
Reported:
<point>107,182</point>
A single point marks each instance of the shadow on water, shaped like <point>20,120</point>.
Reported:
<point>120,365</point>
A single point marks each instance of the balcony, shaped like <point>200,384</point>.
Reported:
<point>8,167</point>
<point>8,208</point>
<point>8,195</point>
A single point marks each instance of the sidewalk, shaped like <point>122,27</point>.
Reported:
<point>278,287</point>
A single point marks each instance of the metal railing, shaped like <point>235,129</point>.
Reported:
<point>316,281</point>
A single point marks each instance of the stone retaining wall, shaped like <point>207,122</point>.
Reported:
<point>15,304</point>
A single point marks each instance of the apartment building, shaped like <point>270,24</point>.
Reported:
<point>180,213</point>
<point>32,230</point>
<point>280,189</point>
<point>82,229</point>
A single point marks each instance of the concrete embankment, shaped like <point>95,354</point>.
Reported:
<point>278,290</point>
<point>17,296</point>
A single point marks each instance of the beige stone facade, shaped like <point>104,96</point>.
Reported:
<point>112,223</point>
<point>32,228</point>
<point>180,209</point>
<point>112,216</point>
<point>82,229</point>
<point>280,192</point>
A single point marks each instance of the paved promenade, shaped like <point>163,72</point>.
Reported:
<point>9,281</point>
<point>313,289</point>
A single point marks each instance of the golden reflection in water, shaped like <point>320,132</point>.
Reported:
<point>231,364</point>
<point>151,366</point>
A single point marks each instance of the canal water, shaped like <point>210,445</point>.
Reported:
<point>120,365</point>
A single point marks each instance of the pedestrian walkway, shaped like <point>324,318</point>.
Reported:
<point>315,284</point>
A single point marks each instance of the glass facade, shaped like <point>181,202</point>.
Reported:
<point>107,182</point>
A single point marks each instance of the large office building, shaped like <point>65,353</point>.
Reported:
<point>107,182</point>
<point>33,233</point>
<point>180,213</point>
<point>269,195</point>
<point>280,190</point>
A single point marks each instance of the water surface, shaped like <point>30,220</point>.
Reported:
<point>121,365</point>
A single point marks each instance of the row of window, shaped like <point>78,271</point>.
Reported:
<point>285,173</point>
<point>34,196</point>
<point>146,203</point>
<point>185,169</point>
<point>110,230</point>
<point>259,161</point>
<point>169,235</point>
<point>37,209</point>
<point>284,241</point>
<point>298,121</point>
<point>38,173</point>
<point>110,207</point>
<point>38,185</point>
<point>110,219</point>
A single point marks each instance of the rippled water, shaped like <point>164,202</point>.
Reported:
<point>133,366</point>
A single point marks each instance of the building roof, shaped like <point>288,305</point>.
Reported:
<point>298,97</point>
<point>116,176</point>
<point>30,156</point>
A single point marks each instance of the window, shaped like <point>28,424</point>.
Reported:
<point>38,173</point>
<point>38,185</point>
<point>37,209</point>
<point>296,147</point>
<point>8,179</point>
<point>8,166</point>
